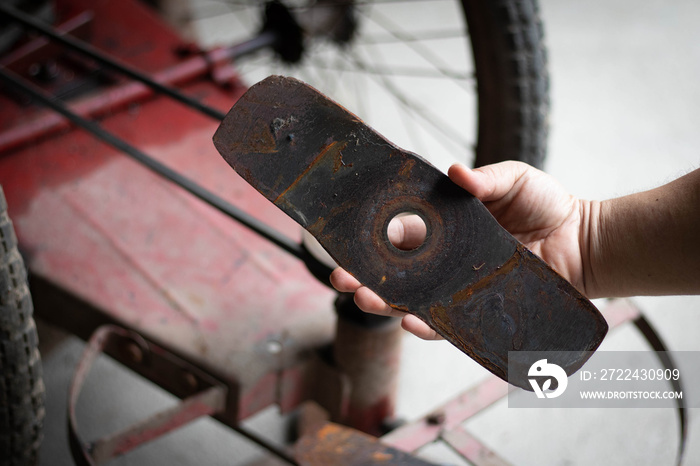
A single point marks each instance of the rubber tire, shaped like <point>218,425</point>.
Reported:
<point>510,62</point>
<point>21,385</point>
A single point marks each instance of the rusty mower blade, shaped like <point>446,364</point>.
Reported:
<point>470,280</point>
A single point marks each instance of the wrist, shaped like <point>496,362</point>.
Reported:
<point>590,243</point>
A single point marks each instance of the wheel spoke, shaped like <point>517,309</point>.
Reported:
<point>403,71</point>
<point>420,36</point>
<point>410,41</point>
<point>338,70</point>
<point>414,107</point>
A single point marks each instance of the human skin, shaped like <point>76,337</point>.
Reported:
<point>642,244</point>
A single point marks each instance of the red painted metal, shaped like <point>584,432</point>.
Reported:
<point>21,59</point>
<point>471,448</point>
<point>198,64</point>
<point>108,241</point>
<point>415,435</point>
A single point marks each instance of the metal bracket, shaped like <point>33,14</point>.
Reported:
<point>205,396</point>
<point>470,280</point>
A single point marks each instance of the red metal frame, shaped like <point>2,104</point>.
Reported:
<point>107,241</point>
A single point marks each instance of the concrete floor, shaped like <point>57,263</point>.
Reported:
<point>625,117</point>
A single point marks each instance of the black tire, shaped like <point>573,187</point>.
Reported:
<point>21,385</point>
<point>510,63</point>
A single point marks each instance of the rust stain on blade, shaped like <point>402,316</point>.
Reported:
<point>332,150</point>
<point>258,139</point>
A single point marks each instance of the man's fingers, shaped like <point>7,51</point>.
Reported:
<point>343,281</point>
<point>491,182</point>
<point>368,301</point>
<point>407,232</point>
<point>419,328</point>
<point>365,298</point>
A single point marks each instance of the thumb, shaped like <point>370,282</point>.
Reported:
<point>491,182</point>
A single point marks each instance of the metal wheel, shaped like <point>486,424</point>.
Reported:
<point>451,80</point>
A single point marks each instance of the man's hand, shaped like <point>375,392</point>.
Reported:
<point>527,202</point>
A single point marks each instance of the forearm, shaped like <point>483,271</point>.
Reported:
<point>644,244</point>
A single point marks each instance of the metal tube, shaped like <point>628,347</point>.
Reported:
<point>188,185</point>
<point>263,40</point>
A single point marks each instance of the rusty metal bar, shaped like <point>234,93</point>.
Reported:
<point>205,403</point>
<point>369,357</point>
<point>203,396</point>
<point>210,400</point>
<point>333,444</point>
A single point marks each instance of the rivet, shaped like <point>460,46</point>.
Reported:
<point>134,352</point>
<point>435,419</point>
<point>190,380</point>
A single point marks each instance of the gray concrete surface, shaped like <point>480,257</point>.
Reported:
<point>625,117</point>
